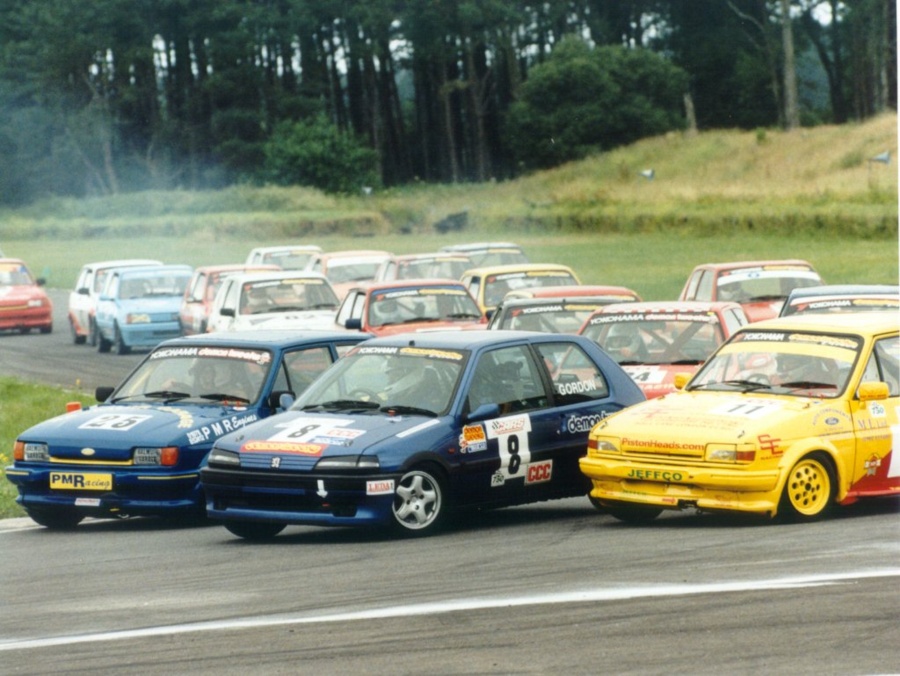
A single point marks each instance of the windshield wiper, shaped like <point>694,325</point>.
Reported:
<point>343,404</point>
<point>408,410</point>
<point>748,385</point>
<point>463,315</point>
<point>809,385</point>
<point>221,396</point>
<point>168,395</point>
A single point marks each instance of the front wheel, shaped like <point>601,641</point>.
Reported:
<point>809,490</point>
<point>252,530</point>
<point>631,513</point>
<point>119,343</point>
<point>54,518</point>
<point>419,502</point>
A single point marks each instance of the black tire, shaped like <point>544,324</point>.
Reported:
<point>420,502</point>
<point>47,328</point>
<point>77,338</point>
<point>54,518</point>
<point>256,531</point>
<point>808,492</point>
<point>103,345</point>
<point>596,503</point>
<point>92,333</point>
<point>119,344</point>
<point>631,513</point>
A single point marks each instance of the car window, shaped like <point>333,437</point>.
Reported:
<point>884,364</point>
<point>733,320</point>
<point>303,366</point>
<point>704,288</point>
<point>575,376</point>
<point>509,378</point>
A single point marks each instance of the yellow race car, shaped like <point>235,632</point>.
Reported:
<point>787,418</point>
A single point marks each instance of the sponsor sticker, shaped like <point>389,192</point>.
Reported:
<point>114,422</point>
<point>472,439</point>
<point>288,447</point>
<point>72,481</point>
<point>380,487</point>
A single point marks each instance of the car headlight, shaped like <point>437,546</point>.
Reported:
<point>31,452</point>
<point>224,458</point>
<point>137,318</point>
<point>730,453</point>
<point>349,462</point>
<point>166,456</point>
<point>602,445</point>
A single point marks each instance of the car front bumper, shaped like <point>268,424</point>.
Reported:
<point>316,500</point>
<point>132,493</point>
<point>712,488</point>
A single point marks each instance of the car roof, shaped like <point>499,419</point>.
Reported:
<point>845,290</point>
<point>668,306</point>
<point>480,246</point>
<point>517,267</point>
<point>371,287</point>
<point>272,338</point>
<point>861,323</point>
<point>470,340</point>
<point>570,290</point>
<point>144,270</point>
<point>740,265</point>
<point>227,267</point>
<point>353,253</point>
<point>122,263</point>
<point>287,247</point>
<point>275,275</point>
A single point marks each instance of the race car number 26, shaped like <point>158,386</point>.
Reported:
<point>117,422</point>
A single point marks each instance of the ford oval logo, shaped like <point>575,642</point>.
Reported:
<point>87,451</point>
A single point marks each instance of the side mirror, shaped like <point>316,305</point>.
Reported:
<point>484,412</point>
<point>103,392</point>
<point>227,312</point>
<point>872,391</point>
<point>354,324</point>
<point>84,291</point>
<point>40,281</point>
<point>282,399</point>
<point>681,379</point>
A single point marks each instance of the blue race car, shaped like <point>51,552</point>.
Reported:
<point>139,307</point>
<point>139,452</point>
<point>407,427</point>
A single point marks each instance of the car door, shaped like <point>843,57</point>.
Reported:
<point>508,455</point>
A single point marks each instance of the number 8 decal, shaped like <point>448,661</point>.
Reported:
<point>512,443</point>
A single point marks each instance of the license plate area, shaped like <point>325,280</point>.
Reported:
<point>80,481</point>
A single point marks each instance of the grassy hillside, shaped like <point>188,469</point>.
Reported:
<point>812,193</point>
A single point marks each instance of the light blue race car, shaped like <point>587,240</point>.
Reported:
<point>139,307</point>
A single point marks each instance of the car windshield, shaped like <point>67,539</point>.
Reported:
<point>403,306</point>
<point>352,270</point>
<point>153,286</point>
<point>762,285</point>
<point>793,363</point>
<point>210,374</point>
<point>14,274</point>
<point>289,260</point>
<point>497,286</point>
<point>556,318</point>
<point>395,380</point>
<point>656,338</point>
<point>287,295</point>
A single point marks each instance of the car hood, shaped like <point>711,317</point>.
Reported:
<point>110,431</point>
<point>656,380</point>
<point>303,319</point>
<point>683,423</point>
<point>150,305</point>
<point>303,437</point>
<point>15,296</point>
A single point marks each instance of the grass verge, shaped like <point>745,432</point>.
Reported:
<point>21,406</point>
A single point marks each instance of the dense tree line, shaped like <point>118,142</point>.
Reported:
<point>114,95</point>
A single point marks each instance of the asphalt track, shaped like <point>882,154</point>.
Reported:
<point>543,589</point>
